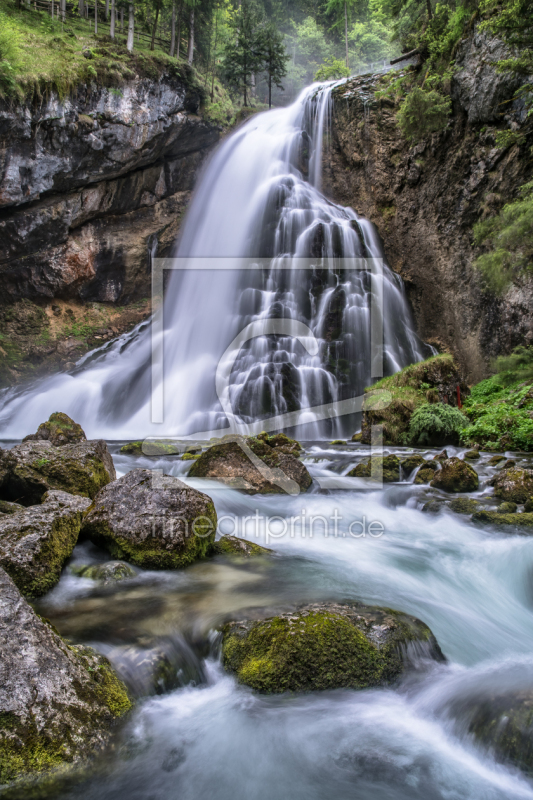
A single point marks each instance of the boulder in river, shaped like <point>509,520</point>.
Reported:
<point>152,520</point>
<point>463,505</point>
<point>57,701</point>
<point>385,468</point>
<point>107,574</point>
<point>234,546</point>
<point>499,518</point>
<point>326,646</point>
<point>411,462</point>
<point>254,466</point>
<point>426,473</point>
<point>36,542</point>
<point>514,484</point>
<point>455,476</point>
<point>60,429</point>
<point>32,468</point>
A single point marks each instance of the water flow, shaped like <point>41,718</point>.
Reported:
<point>258,198</point>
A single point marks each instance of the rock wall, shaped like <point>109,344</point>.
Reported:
<point>424,200</point>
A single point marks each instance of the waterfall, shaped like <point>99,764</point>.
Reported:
<point>258,198</point>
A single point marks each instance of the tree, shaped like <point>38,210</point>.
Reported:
<point>341,6</point>
<point>113,20</point>
<point>154,27</point>
<point>274,57</point>
<point>131,28</point>
<point>244,53</point>
<point>332,69</point>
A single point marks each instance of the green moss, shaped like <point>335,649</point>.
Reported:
<point>190,456</point>
<point>463,505</point>
<point>148,447</point>
<point>456,476</point>
<point>411,462</point>
<point>425,474</point>
<point>242,548</point>
<point>29,751</point>
<point>386,468</point>
<point>496,518</point>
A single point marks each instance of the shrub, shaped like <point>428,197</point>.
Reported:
<point>331,69</point>
<point>422,113</point>
<point>9,54</point>
<point>436,424</point>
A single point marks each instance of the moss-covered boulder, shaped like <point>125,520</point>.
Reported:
<point>472,455</point>
<point>154,521</point>
<point>57,702</point>
<point>455,476</point>
<point>151,447</point>
<point>497,518</point>
<point>107,574</point>
<point>31,469</point>
<point>59,430</point>
<point>282,443</point>
<point>463,505</point>
<point>190,456</point>
<point>495,460</point>
<point>514,484</point>
<point>234,546</point>
<point>385,468</point>
<point>36,542</point>
<point>426,473</point>
<point>528,505</point>
<point>507,508</point>
<point>325,646</point>
<point>10,508</point>
<point>411,462</point>
<point>253,466</point>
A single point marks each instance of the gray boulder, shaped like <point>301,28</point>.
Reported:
<point>57,701</point>
<point>152,520</point>
<point>36,542</point>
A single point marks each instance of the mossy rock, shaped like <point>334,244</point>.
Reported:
<point>324,646</point>
<point>492,462</point>
<point>455,476</point>
<point>386,468</point>
<point>234,546</point>
<point>59,430</point>
<point>338,441</point>
<point>10,508</point>
<point>433,506</point>
<point>36,542</point>
<point>155,522</point>
<point>148,447</point>
<point>472,455</point>
<point>411,462</point>
<point>514,484</point>
<point>507,508</point>
<point>441,457</point>
<point>463,505</point>
<point>67,715</point>
<point>426,473</point>
<point>528,505</point>
<point>496,518</point>
<point>109,573</point>
<point>357,437</point>
<point>190,456</point>
<point>281,442</point>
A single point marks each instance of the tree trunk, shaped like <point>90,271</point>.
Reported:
<point>173,31</point>
<point>131,28</point>
<point>81,9</point>
<point>52,9</point>
<point>112,28</point>
<point>178,32</point>
<point>154,29</point>
<point>430,12</point>
<point>190,54</point>
<point>346,30</point>
<point>95,17</point>
<point>214,56</point>
<point>106,10</point>
<point>63,9</point>
<point>269,90</point>
<point>122,20</point>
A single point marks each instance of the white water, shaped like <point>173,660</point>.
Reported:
<point>258,198</point>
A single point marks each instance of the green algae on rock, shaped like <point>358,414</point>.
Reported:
<point>254,466</point>
<point>385,468</point>
<point>154,521</point>
<point>514,484</point>
<point>234,546</point>
<point>59,430</point>
<point>32,468</point>
<point>57,702</point>
<point>36,542</point>
<point>325,646</point>
<point>455,476</point>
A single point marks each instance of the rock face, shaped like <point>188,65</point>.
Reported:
<point>36,542</point>
<point>30,469</point>
<point>425,198</point>
<point>455,476</point>
<point>325,646</point>
<point>515,485</point>
<point>56,701</point>
<point>60,429</point>
<point>253,466</point>
<point>156,522</point>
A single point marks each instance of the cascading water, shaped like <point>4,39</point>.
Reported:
<point>259,198</point>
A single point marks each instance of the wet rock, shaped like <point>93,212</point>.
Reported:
<point>492,462</point>
<point>57,701</point>
<point>440,457</point>
<point>32,468</point>
<point>528,505</point>
<point>107,574</point>
<point>253,466</point>
<point>59,430</point>
<point>154,521</point>
<point>497,518</point>
<point>385,468</point>
<point>463,505</point>
<point>357,437</point>
<point>433,506</point>
<point>507,508</point>
<point>10,508</point>
<point>36,542</point>
<point>472,455</point>
<point>338,441</point>
<point>426,473</point>
<point>281,442</point>
<point>148,447</point>
<point>411,462</point>
<point>326,646</point>
<point>514,484</point>
<point>455,476</point>
<point>234,546</point>
<point>190,456</point>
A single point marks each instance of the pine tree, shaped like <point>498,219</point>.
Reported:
<point>274,58</point>
<point>244,52</point>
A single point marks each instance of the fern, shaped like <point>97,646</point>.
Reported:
<point>436,424</point>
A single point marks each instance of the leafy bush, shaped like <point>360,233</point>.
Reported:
<point>436,424</point>
<point>516,367</point>
<point>423,112</point>
<point>509,235</point>
<point>331,69</point>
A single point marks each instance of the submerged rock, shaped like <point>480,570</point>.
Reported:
<point>57,701</point>
<point>385,468</point>
<point>36,542</point>
<point>455,476</point>
<point>107,574</point>
<point>254,466</point>
<point>147,447</point>
<point>326,646</point>
<point>492,462</point>
<point>59,430</point>
<point>233,546</point>
<point>154,521</point>
<point>514,484</point>
<point>498,518</point>
<point>30,469</point>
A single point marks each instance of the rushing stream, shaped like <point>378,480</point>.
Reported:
<point>195,733</point>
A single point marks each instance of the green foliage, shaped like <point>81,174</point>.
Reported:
<point>244,50</point>
<point>273,58</point>
<point>436,423</point>
<point>506,139</point>
<point>423,113</point>
<point>10,54</point>
<point>516,367</point>
<point>509,237</point>
<point>331,69</point>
